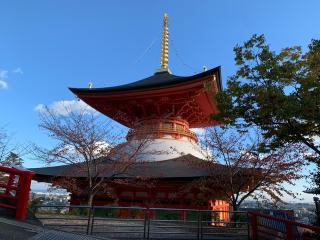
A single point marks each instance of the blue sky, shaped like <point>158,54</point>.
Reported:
<point>47,46</point>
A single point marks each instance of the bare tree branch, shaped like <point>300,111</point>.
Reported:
<point>241,169</point>
<point>91,146</point>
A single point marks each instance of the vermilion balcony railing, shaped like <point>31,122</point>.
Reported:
<point>14,189</point>
<point>265,226</point>
<point>159,131</point>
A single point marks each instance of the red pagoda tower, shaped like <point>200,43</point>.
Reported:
<point>164,106</point>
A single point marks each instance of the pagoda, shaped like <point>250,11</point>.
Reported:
<point>164,106</point>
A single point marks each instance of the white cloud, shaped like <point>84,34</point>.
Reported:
<point>3,77</point>
<point>18,71</point>
<point>3,74</point>
<point>3,84</point>
<point>64,107</point>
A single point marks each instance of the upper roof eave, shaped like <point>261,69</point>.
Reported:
<point>156,80</point>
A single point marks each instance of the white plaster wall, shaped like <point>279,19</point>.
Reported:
<point>164,149</point>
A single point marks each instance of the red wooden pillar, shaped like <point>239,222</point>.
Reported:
<point>23,194</point>
<point>289,231</point>
<point>152,214</point>
<point>183,215</point>
<point>10,182</point>
<point>124,213</point>
<point>254,226</point>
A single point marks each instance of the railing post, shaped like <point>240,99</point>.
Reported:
<point>23,194</point>
<point>148,223</point>
<point>145,224</point>
<point>201,226</point>
<point>10,182</point>
<point>248,225</point>
<point>317,203</point>
<point>254,226</point>
<point>198,236</point>
<point>35,209</point>
<point>289,231</point>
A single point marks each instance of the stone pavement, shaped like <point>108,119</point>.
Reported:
<point>55,235</point>
<point>17,230</point>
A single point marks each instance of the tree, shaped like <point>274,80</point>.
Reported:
<point>238,167</point>
<point>278,92</point>
<point>88,146</point>
<point>14,159</point>
<point>10,154</point>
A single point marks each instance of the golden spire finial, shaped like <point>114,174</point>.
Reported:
<point>165,44</point>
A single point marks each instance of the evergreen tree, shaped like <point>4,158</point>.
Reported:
<point>13,159</point>
<point>278,92</point>
<point>10,154</point>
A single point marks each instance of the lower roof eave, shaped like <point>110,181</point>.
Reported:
<point>50,178</point>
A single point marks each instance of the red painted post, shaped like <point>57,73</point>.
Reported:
<point>254,226</point>
<point>183,215</point>
<point>288,223</point>
<point>23,194</point>
<point>289,231</point>
<point>152,214</point>
<point>10,182</point>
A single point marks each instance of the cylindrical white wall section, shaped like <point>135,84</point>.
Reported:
<point>159,149</point>
<point>156,139</point>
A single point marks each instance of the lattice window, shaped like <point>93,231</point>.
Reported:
<point>167,125</point>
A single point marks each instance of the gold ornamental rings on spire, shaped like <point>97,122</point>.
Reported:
<point>165,44</point>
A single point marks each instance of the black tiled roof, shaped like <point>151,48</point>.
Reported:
<point>157,80</point>
<point>186,166</point>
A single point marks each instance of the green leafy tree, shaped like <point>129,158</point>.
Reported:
<point>33,203</point>
<point>278,92</point>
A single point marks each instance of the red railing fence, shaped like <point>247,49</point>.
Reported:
<point>14,189</point>
<point>264,226</point>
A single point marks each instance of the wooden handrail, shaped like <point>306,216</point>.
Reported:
<point>22,189</point>
<point>8,196</point>
<point>8,187</point>
<point>13,170</point>
<point>289,233</point>
<point>169,130</point>
<point>286,221</point>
